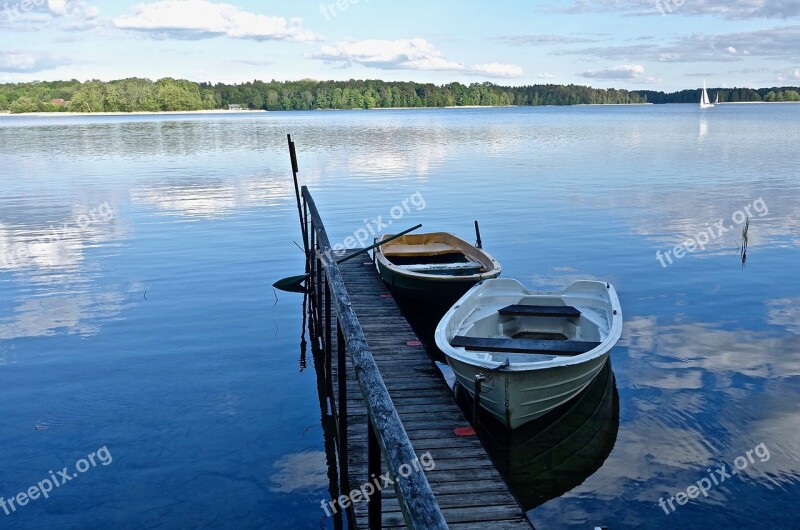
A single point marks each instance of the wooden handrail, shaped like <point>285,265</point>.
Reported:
<point>419,506</point>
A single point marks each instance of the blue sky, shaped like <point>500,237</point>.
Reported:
<point>633,44</point>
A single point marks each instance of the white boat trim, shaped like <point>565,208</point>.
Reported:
<point>484,359</point>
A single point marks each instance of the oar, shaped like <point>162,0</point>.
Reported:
<point>294,284</point>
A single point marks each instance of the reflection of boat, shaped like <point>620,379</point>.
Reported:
<point>705,102</point>
<point>433,266</point>
<point>535,351</point>
<point>558,452</point>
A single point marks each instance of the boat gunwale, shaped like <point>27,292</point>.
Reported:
<point>463,246</point>
<point>605,346</point>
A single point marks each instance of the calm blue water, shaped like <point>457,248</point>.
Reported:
<point>145,322</point>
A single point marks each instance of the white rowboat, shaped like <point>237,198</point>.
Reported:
<point>536,351</point>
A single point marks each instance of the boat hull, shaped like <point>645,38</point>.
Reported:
<point>516,398</point>
<point>443,291</point>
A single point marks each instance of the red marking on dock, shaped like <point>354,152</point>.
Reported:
<point>464,431</point>
<point>386,296</point>
<point>414,343</point>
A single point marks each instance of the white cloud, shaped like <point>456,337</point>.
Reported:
<point>497,70</point>
<point>59,7</point>
<point>413,54</point>
<point>628,71</point>
<point>546,75</point>
<point>796,74</point>
<point>730,9</point>
<point>202,19</point>
<point>24,62</point>
<point>407,54</point>
<point>779,42</point>
<point>40,12</point>
<point>540,40</point>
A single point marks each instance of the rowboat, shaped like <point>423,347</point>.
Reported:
<point>526,353</point>
<point>436,266</point>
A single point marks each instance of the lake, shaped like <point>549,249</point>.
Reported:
<point>142,345</point>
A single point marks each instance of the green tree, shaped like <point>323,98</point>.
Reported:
<point>23,104</point>
<point>89,98</point>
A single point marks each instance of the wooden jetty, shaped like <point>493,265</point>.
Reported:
<point>392,412</point>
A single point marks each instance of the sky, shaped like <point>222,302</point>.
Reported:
<point>631,44</point>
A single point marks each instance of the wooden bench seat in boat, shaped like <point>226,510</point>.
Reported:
<point>541,311</point>
<point>426,249</point>
<point>425,267</point>
<point>567,348</point>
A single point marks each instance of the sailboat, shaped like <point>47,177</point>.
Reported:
<point>716,100</point>
<point>705,103</point>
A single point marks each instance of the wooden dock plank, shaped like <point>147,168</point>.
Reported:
<point>469,489</point>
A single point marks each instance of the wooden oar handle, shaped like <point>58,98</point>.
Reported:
<point>376,245</point>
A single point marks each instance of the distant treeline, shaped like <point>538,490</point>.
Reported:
<point>726,95</point>
<point>136,95</point>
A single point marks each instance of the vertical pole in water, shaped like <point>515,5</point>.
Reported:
<point>476,412</point>
<point>295,171</point>
<point>478,242</point>
<point>374,470</point>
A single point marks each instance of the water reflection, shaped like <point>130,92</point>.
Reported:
<point>209,199</point>
<point>785,313</point>
<point>78,314</point>
<point>36,244</point>
<point>51,259</point>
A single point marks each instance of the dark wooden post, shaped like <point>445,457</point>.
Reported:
<point>342,383</point>
<point>328,345</point>
<point>312,263</point>
<point>374,470</point>
<point>307,230</point>
<point>319,284</point>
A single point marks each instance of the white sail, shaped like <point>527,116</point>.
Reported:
<point>716,100</point>
<point>705,102</point>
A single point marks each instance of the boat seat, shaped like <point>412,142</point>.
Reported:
<point>427,249</point>
<point>566,348</point>
<point>424,267</point>
<point>541,311</point>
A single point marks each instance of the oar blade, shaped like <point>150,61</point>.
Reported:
<point>292,284</point>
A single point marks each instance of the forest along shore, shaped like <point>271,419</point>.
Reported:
<point>180,95</point>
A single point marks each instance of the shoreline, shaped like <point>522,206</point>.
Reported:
<point>757,102</point>
<point>226,112</point>
<point>6,113</point>
<point>137,113</point>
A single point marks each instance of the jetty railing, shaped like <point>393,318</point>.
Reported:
<point>387,439</point>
